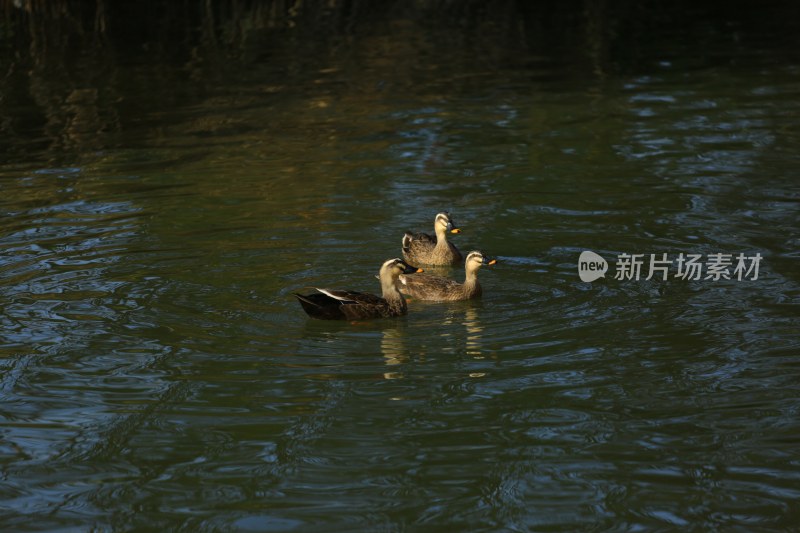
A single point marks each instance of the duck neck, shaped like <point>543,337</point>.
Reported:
<point>441,237</point>
<point>471,282</point>
<point>472,276</point>
<point>391,294</point>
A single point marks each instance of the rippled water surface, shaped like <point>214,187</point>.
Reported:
<point>158,373</point>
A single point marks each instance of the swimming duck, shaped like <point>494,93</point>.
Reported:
<point>428,287</point>
<point>422,249</point>
<point>332,304</point>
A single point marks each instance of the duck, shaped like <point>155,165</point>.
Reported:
<point>422,249</point>
<point>437,288</point>
<point>332,304</point>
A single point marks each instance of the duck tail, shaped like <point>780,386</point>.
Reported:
<point>407,238</point>
<point>305,300</point>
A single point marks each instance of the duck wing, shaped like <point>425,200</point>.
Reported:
<point>428,287</point>
<point>333,304</point>
<point>353,297</point>
<point>321,306</point>
<point>417,240</point>
<point>341,296</point>
<point>360,305</point>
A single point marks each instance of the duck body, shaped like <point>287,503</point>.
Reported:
<point>332,304</point>
<point>437,288</point>
<point>424,249</point>
<point>329,304</point>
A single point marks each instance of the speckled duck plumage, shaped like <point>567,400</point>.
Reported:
<point>423,249</point>
<point>437,288</point>
<point>332,304</point>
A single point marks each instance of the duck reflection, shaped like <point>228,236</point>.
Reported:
<point>474,337</point>
<point>394,352</point>
<point>462,333</point>
<point>466,314</point>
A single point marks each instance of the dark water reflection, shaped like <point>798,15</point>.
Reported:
<point>156,371</point>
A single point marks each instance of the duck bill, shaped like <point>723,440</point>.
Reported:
<point>411,269</point>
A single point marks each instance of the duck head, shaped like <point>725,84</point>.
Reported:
<point>444,223</point>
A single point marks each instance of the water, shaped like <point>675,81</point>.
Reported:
<point>157,372</point>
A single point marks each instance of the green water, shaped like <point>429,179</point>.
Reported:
<point>158,374</point>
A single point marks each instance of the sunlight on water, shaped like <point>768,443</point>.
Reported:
<point>157,371</point>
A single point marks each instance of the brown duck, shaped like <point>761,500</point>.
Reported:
<point>422,249</point>
<point>330,304</point>
<point>428,287</point>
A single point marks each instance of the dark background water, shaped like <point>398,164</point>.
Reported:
<point>172,172</point>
